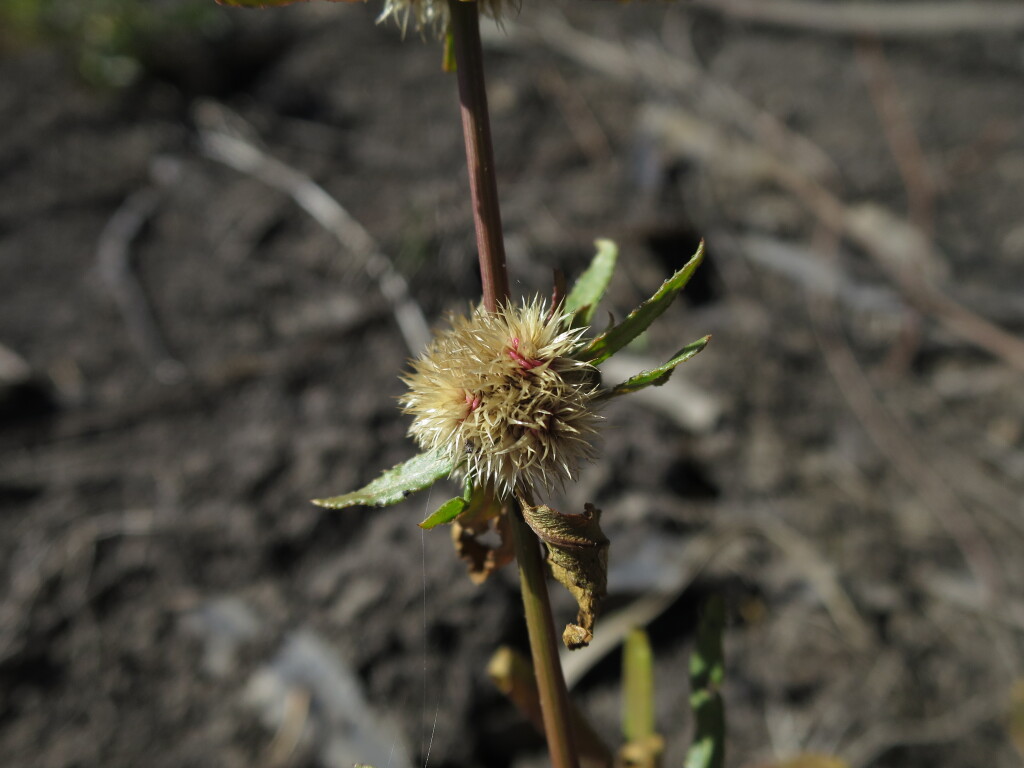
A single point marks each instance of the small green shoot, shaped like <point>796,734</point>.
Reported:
<point>644,746</point>
<point>707,671</point>
<point>452,508</point>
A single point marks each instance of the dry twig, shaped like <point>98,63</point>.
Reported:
<point>945,728</point>
<point>787,158</point>
<point>245,157</point>
<point>114,263</point>
<point>904,146</point>
<point>899,248</point>
<point>892,439</point>
<point>52,560</point>
<point>579,117</point>
<point>293,724</point>
<point>887,19</point>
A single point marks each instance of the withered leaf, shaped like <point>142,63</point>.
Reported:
<point>481,514</point>
<point>1015,721</point>
<point>578,558</point>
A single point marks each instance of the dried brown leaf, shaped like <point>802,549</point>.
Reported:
<point>578,558</point>
<point>483,514</point>
<point>810,760</point>
<point>1015,722</point>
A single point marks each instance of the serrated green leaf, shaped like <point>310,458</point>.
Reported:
<point>419,472</point>
<point>658,376</point>
<point>269,3</point>
<point>615,338</point>
<point>445,513</point>
<point>585,295</point>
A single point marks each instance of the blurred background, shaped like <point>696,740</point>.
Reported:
<point>220,231</point>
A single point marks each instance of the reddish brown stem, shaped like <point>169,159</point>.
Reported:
<point>476,128</point>
<point>554,699</point>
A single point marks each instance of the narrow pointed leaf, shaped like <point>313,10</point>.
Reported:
<point>637,686</point>
<point>644,746</point>
<point>268,3</point>
<point>707,671</point>
<point>419,472</point>
<point>591,285</point>
<point>658,376</point>
<point>617,337</point>
<point>448,56</point>
<point>445,513</point>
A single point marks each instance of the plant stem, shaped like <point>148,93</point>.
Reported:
<point>554,699</point>
<point>476,128</point>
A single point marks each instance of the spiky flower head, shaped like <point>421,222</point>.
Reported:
<point>500,395</point>
<point>431,14</point>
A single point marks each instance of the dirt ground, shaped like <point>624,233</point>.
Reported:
<point>189,356</point>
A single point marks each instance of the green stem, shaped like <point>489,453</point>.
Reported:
<point>554,699</point>
<point>476,128</point>
<point>707,671</point>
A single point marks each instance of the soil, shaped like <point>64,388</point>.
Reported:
<point>843,463</point>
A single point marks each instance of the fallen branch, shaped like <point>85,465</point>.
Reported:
<point>886,19</point>
<point>114,263</point>
<point>247,158</point>
<point>946,728</point>
<point>899,248</point>
<point>893,440</point>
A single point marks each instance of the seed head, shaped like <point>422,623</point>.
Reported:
<point>430,14</point>
<point>499,394</point>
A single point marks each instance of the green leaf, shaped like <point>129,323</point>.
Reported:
<point>707,670</point>
<point>268,3</point>
<point>419,472</point>
<point>658,376</point>
<point>615,338</point>
<point>638,687</point>
<point>644,747</point>
<point>445,513</point>
<point>584,297</point>
<point>448,57</point>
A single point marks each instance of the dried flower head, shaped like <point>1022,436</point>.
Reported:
<point>500,394</point>
<point>430,14</point>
